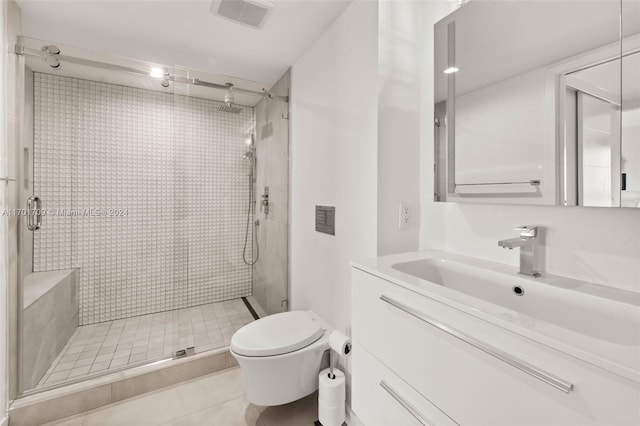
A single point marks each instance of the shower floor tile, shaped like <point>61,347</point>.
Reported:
<point>97,348</point>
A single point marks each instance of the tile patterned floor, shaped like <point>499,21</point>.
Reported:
<point>98,348</point>
<point>217,399</point>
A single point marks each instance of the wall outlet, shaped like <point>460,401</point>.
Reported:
<point>405,219</point>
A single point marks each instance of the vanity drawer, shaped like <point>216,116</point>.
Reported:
<point>382,398</point>
<point>502,379</point>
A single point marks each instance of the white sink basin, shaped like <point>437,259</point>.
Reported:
<point>598,324</point>
<point>597,317</point>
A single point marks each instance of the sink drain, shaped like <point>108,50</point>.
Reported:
<point>517,290</point>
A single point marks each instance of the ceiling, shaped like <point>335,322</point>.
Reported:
<point>184,32</point>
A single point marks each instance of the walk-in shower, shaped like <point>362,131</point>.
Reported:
<point>148,225</point>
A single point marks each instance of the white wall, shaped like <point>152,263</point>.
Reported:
<point>333,161</point>
<point>596,244</point>
<point>399,50</point>
<point>4,258</point>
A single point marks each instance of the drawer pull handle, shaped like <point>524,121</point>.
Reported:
<point>548,378</point>
<point>406,405</point>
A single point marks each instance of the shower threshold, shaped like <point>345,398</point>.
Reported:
<point>110,346</point>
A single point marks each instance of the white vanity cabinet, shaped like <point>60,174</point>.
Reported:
<point>447,366</point>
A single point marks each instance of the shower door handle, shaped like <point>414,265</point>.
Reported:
<point>34,213</point>
<point>38,213</point>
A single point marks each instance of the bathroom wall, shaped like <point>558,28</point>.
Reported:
<point>399,117</point>
<point>174,163</point>
<point>4,225</point>
<point>271,271</point>
<point>601,245</point>
<point>334,161</point>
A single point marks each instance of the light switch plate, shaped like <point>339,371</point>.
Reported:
<point>326,219</point>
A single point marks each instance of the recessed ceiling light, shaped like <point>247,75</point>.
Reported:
<point>156,72</point>
<point>451,70</point>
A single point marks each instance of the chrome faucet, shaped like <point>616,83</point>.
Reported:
<point>528,243</point>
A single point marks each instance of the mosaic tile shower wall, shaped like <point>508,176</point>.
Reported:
<point>173,164</point>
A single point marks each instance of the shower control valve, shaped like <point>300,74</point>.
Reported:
<point>264,201</point>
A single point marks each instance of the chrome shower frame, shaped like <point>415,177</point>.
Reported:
<point>47,53</point>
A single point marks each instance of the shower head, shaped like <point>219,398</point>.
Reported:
<point>230,108</point>
<point>229,99</point>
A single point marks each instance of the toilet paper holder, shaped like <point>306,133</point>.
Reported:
<point>331,395</point>
<point>332,360</point>
<point>338,342</point>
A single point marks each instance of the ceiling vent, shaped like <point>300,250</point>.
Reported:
<point>251,13</point>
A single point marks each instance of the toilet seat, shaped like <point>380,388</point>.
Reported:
<point>276,334</point>
<point>280,356</point>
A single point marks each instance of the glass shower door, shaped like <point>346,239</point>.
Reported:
<point>143,182</point>
<point>212,191</point>
<point>102,156</point>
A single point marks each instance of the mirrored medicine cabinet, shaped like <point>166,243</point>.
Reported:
<point>538,102</point>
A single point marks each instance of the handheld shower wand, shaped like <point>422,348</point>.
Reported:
<point>250,155</point>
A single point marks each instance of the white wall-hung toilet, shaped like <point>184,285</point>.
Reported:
<point>280,356</point>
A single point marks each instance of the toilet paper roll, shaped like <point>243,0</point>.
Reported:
<point>331,416</point>
<point>331,392</point>
<point>340,343</point>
